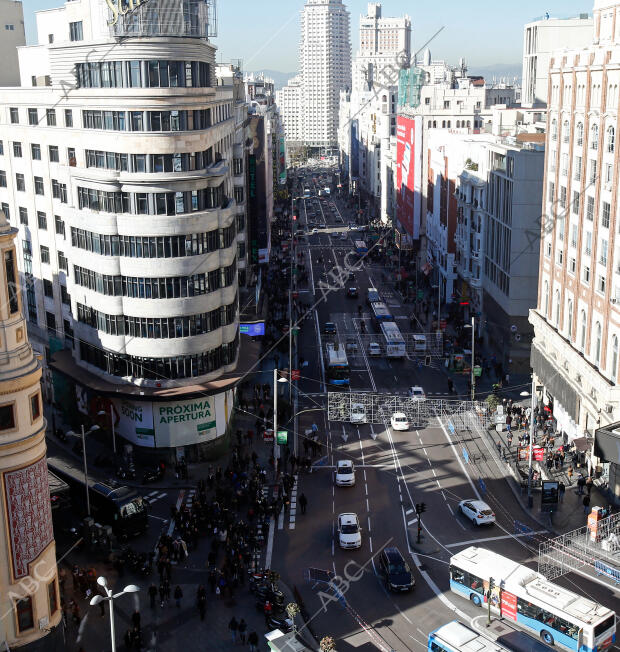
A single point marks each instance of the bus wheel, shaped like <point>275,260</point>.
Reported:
<point>475,599</point>
<point>546,637</point>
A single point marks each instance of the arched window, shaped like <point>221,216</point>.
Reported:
<point>582,342</point>
<point>443,124</point>
<point>613,367</point>
<point>611,139</point>
<point>557,308</point>
<point>579,133</point>
<point>449,123</point>
<point>554,129</point>
<point>545,305</point>
<point>565,131</point>
<point>430,124</point>
<point>598,344</point>
<point>468,124</point>
<point>569,319</point>
<point>594,137</point>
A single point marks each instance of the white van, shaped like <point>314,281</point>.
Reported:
<point>419,342</point>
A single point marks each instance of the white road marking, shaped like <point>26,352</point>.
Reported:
<point>281,520</point>
<point>434,473</point>
<point>415,520</point>
<point>472,542</point>
<point>367,505</point>
<point>369,524</point>
<point>370,543</point>
<point>409,511</point>
<point>366,488</point>
<point>437,481</point>
<point>425,453</point>
<point>450,508</point>
<point>159,518</point>
<point>364,475</point>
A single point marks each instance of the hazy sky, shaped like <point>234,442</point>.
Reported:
<point>265,34</point>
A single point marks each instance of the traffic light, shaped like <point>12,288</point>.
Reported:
<point>420,508</point>
<point>491,583</point>
<point>427,360</point>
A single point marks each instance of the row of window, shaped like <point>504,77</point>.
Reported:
<point>189,366</point>
<point>147,120</point>
<point>610,135</point>
<point>144,203</point>
<point>158,327</point>
<point>165,287</point>
<point>149,162</point>
<point>170,246</point>
<point>33,116</point>
<point>143,74</point>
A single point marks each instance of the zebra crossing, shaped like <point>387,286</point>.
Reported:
<point>154,496</point>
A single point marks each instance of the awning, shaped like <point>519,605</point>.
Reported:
<point>582,444</point>
<point>607,443</point>
<point>554,382</point>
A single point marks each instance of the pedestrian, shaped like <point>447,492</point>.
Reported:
<point>243,626</point>
<point>233,627</point>
<point>581,483</point>
<point>586,504</point>
<point>569,473</point>
<point>498,445</point>
<point>303,502</point>
<point>178,594</point>
<point>153,594</point>
<point>253,641</point>
<point>135,619</point>
<point>561,491</point>
<point>589,484</point>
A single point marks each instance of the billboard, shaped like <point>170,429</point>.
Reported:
<point>408,173</point>
<point>181,423</point>
<point>134,422</point>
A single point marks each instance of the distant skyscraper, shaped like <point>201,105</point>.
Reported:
<point>12,35</point>
<point>325,70</point>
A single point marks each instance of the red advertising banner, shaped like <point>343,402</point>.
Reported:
<point>509,605</point>
<point>296,375</point>
<point>539,454</point>
<point>268,436</point>
<point>406,171</point>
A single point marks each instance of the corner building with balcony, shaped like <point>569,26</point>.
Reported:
<point>577,320</point>
<point>118,175</point>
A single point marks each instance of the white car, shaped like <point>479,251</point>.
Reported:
<point>358,413</point>
<point>477,511</point>
<point>399,421</point>
<point>417,393</point>
<point>315,230</point>
<point>349,533</point>
<point>345,473</point>
<point>374,349</point>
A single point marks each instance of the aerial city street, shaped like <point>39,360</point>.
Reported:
<point>324,360</point>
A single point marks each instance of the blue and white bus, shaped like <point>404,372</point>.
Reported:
<point>380,313</point>
<point>394,340</point>
<point>337,365</point>
<point>360,248</point>
<point>455,637</point>
<point>520,594</point>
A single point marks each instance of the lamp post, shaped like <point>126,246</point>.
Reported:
<point>109,598</point>
<point>531,446</point>
<point>473,357</point>
<point>72,434</point>
<point>276,447</point>
<point>111,413</point>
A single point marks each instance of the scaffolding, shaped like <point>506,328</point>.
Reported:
<point>378,408</point>
<point>594,549</point>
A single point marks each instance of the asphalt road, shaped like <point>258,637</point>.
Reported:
<point>394,471</point>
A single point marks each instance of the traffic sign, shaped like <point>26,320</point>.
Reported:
<point>296,375</point>
<point>420,294</point>
<point>282,437</point>
<point>477,371</point>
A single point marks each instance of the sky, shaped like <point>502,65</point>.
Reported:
<point>265,34</point>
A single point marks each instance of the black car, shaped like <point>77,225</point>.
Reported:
<point>329,328</point>
<point>352,293</point>
<point>398,575</point>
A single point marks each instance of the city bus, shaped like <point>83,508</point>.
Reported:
<point>380,313</point>
<point>116,505</point>
<point>455,637</point>
<point>559,616</point>
<point>337,365</point>
<point>394,341</point>
<point>360,248</point>
<point>306,193</point>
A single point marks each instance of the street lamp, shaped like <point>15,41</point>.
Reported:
<point>276,447</point>
<point>102,413</point>
<point>473,358</point>
<point>110,597</point>
<point>72,434</point>
<point>531,446</point>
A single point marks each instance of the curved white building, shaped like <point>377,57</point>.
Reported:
<point>122,189</point>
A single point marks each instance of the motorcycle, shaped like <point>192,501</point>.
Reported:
<point>285,625</point>
<point>154,475</point>
<point>265,593</point>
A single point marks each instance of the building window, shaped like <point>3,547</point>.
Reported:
<point>53,154</point>
<point>23,215</point>
<point>611,139</point>
<point>593,170</point>
<point>51,117</point>
<point>586,274</point>
<point>62,262</point>
<point>25,616</point>
<point>565,131</point>
<point>48,288</point>
<point>50,322</point>
<point>545,305</point>
<point>17,149</point>
<point>60,225</point>
<point>238,195</point>
<point>65,297</point>
<point>14,114</point>
<point>38,186</point>
<point>578,163</point>
<point>2,179</point>
<point>594,137</point>
<point>42,220</point>
<point>613,367</point>
<point>11,280</point>
<point>605,214</point>
<point>35,406</point>
<point>5,209</point>
<point>575,204</point>
<point>68,118</point>
<point>579,133</point>
<point>569,319</point>
<point>35,150</point>
<point>588,245</point>
<point>572,265</point>
<point>602,284</point>
<point>76,32</point>
<point>562,197</point>
<point>554,129</point>
<point>557,309</point>
<point>52,595</point>
<point>45,255</point>
<point>590,208</point>
<point>604,249</point>
<point>33,117</point>
<point>1,148</point>
<point>71,160</point>
<point>597,344</point>
<point>584,324</point>
<point>20,182</point>
<point>7,417</point>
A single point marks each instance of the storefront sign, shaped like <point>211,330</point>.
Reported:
<point>254,329</point>
<point>509,605</point>
<point>183,423</point>
<point>122,8</point>
<point>539,454</point>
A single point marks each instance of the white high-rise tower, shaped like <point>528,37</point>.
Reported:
<point>325,60</point>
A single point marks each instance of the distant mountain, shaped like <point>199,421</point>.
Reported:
<point>498,71</point>
<point>280,78</point>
